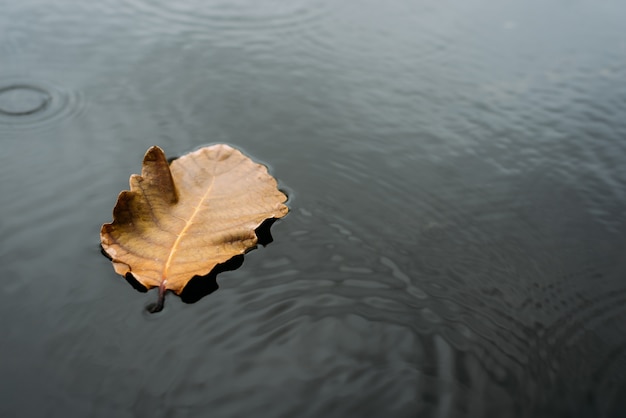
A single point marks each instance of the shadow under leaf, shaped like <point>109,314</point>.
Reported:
<point>201,286</point>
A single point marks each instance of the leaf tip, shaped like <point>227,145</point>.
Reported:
<point>154,153</point>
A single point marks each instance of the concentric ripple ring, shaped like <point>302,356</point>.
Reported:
<point>36,104</point>
<point>23,99</point>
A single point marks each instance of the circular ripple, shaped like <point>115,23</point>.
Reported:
<point>25,104</point>
<point>239,15</point>
<point>23,99</point>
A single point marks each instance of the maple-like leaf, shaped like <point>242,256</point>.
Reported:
<point>180,220</point>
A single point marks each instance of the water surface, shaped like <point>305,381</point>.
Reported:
<point>457,184</point>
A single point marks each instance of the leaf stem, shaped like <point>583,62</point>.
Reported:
<point>158,306</point>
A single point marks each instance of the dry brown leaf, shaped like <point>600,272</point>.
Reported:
<point>181,220</point>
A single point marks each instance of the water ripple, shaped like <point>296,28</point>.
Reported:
<point>243,16</point>
<point>22,100</point>
<point>34,104</point>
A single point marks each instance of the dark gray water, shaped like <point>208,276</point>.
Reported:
<point>456,245</point>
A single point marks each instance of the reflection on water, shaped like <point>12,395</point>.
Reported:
<point>457,188</point>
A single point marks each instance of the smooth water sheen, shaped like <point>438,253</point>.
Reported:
<point>456,245</point>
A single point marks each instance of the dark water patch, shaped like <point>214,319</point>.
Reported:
<point>34,105</point>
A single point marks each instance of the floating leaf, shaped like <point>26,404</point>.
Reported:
<point>180,220</point>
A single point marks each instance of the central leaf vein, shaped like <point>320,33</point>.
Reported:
<point>188,224</point>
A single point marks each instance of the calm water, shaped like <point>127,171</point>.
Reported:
<point>456,245</point>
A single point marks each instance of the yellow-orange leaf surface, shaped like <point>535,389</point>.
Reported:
<point>181,220</point>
